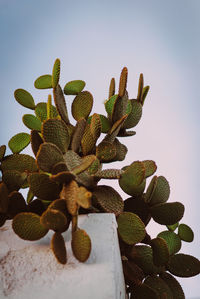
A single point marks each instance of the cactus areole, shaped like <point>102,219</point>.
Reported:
<point>63,181</point>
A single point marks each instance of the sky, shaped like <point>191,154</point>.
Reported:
<point>94,41</point>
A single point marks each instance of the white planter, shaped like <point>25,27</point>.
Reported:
<point>29,270</point>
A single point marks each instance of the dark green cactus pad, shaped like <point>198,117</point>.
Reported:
<point>137,206</point>
<point>144,291</point>
<point>183,265</point>
<point>109,105</point>
<point>41,111</point>
<point>24,98</point>
<point>60,103</point>
<point>16,205</point>
<point>173,241</point>
<point>36,206</point>
<point>161,192</point>
<point>3,198</point>
<point>109,201</point>
<point>78,134</point>
<point>121,107</point>
<point>32,122</point>
<point>60,205</point>
<point>74,87</point>
<point>121,150</point>
<point>144,94</point>
<point>124,133</point>
<point>150,189</point>
<point>58,248</point>
<point>19,162</point>
<point>173,284</point>
<point>86,162</point>
<point>132,178</point>
<point>131,229</point>
<point>132,273</point>
<point>42,187</point>
<point>105,123</point>
<point>185,233</point>
<point>167,213</point>
<point>56,73</point>
<point>48,156</point>
<point>160,251</point>
<point>28,227</point>
<point>113,132</point>
<point>95,167</point>
<point>54,219</point>
<point>95,126</point>
<point>81,245</point>
<point>2,152</point>
<point>142,255</point>
<point>140,88</point>
<point>173,227</point>
<point>72,159</point>
<point>63,177</point>
<point>14,179</point>
<point>123,82</point>
<point>36,141</point>
<point>82,105</point>
<point>134,116</point>
<point>88,141</point>
<point>70,193</point>
<point>18,142</point>
<point>84,197</point>
<point>111,88</point>
<point>43,82</point>
<point>150,167</point>
<point>59,167</point>
<point>3,219</point>
<point>55,131</point>
<point>108,174</point>
<point>159,286</point>
<point>106,151</point>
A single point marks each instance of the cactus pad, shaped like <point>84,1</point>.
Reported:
<point>173,284</point>
<point>109,105</point>
<point>36,141</point>
<point>43,82</point>
<point>131,228</point>
<point>150,167</point>
<point>85,164</point>
<point>41,111</point>
<point>106,151</point>
<point>16,205</point>
<point>63,177</point>
<point>82,105</point>
<point>161,191</point>
<point>78,134</point>
<point>144,291</point>
<point>24,98</point>
<point>54,219</point>
<point>157,284</point>
<point>14,179</point>
<point>105,123</point>
<point>60,103</point>
<point>183,265</point>
<point>32,122</point>
<point>134,116</point>
<point>140,88</point>
<point>185,233</point>
<point>95,126</point>
<point>18,142</point>
<point>59,167</point>
<point>173,241</point>
<point>3,198</point>
<point>36,206</point>
<point>144,93</point>
<point>167,213</point>
<point>69,193</point>
<point>81,245</point>
<point>28,227</point>
<point>56,73</point>
<point>2,151</point>
<point>137,206</point>
<point>74,87</point>
<point>84,197</point>
<point>58,248</point>
<point>108,174</point>
<point>172,227</point>
<point>160,251</point>
<point>19,162</point>
<point>123,82</point>
<point>132,272</point>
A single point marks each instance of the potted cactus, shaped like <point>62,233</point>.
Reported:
<point>63,181</point>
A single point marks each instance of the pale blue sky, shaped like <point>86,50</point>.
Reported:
<point>95,40</point>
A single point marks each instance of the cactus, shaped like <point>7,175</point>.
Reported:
<point>62,182</point>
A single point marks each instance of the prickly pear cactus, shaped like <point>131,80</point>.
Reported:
<point>62,181</point>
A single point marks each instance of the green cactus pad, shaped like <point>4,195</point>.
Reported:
<point>123,82</point>
<point>19,162</point>
<point>72,159</point>
<point>131,228</point>
<point>41,111</point>
<point>105,123</point>
<point>157,284</point>
<point>32,122</point>
<point>96,166</point>
<point>16,205</point>
<point>54,219</point>
<point>74,87</point>
<point>121,150</point>
<point>161,191</point>
<point>60,103</point>
<point>111,88</point>
<point>63,177</point>
<point>173,284</point>
<point>139,207</point>
<point>88,141</point>
<point>122,107</point>
<point>109,105</point>
<point>173,227</point>
<point>70,193</point>
<point>132,273</point>
<point>108,200</point>
<point>78,134</point>
<point>140,88</point>
<point>28,227</point>
<point>108,174</point>
<point>14,179</point>
<point>142,255</point>
<point>81,245</point>
<point>113,132</point>
<point>56,73</point>
<point>42,187</point>
<point>144,94</point>
<point>84,197</point>
<point>132,178</point>
<point>150,189</point>
<point>43,82</point>
<point>58,248</point>
<point>24,98</point>
<point>36,141</point>
<point>82,105</point>
<point>173,241</point>
<point>3,198</point>
<point>59,204</point>
<point>185,233</point>
<point>48,155</point>
<point>18,142</point>
<point>59,167</point>
<point>134,116</point>
<point>183,265</point>
<point>36,206</point>
<point>160,251</point>
<point>85,164</point>
<point>144,291</point>
<point>167,213</point>
<point>55,131</point>
<point>106,151</point>
<point>95,126</point>
<point>150,167</point>
<point>2,152</point>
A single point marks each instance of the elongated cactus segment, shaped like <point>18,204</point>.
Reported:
<point>56,73</point>
<point>123,82</point>
<point>86,163</point>
<point>95,126</point>
<point>109,105</point>
<point>78,134</point>
<point>81,245</point>
<point>88,141</point>
<point>140,88</point>
<point>82,105</point>
<point>70,193</point>
<point>144,93</point>
<point>43,82</point>
<point>183,265</point>
<point>173,241</point>
<point>36,141</point>
<point>84,197</point>
<point>167,213</point>
<point>24,98</point>
<point>74,87</point>
<point>2,151</point>
<point>60,103</point>
<point>32,122</point>
<point>28,227</point>
<point>185,233</point>
<point>122,106</point>
<point>111,88</point>
<point>58,248</point>
<point>108,174</point>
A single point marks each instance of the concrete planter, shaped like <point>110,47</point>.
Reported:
<point>28,270</point>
